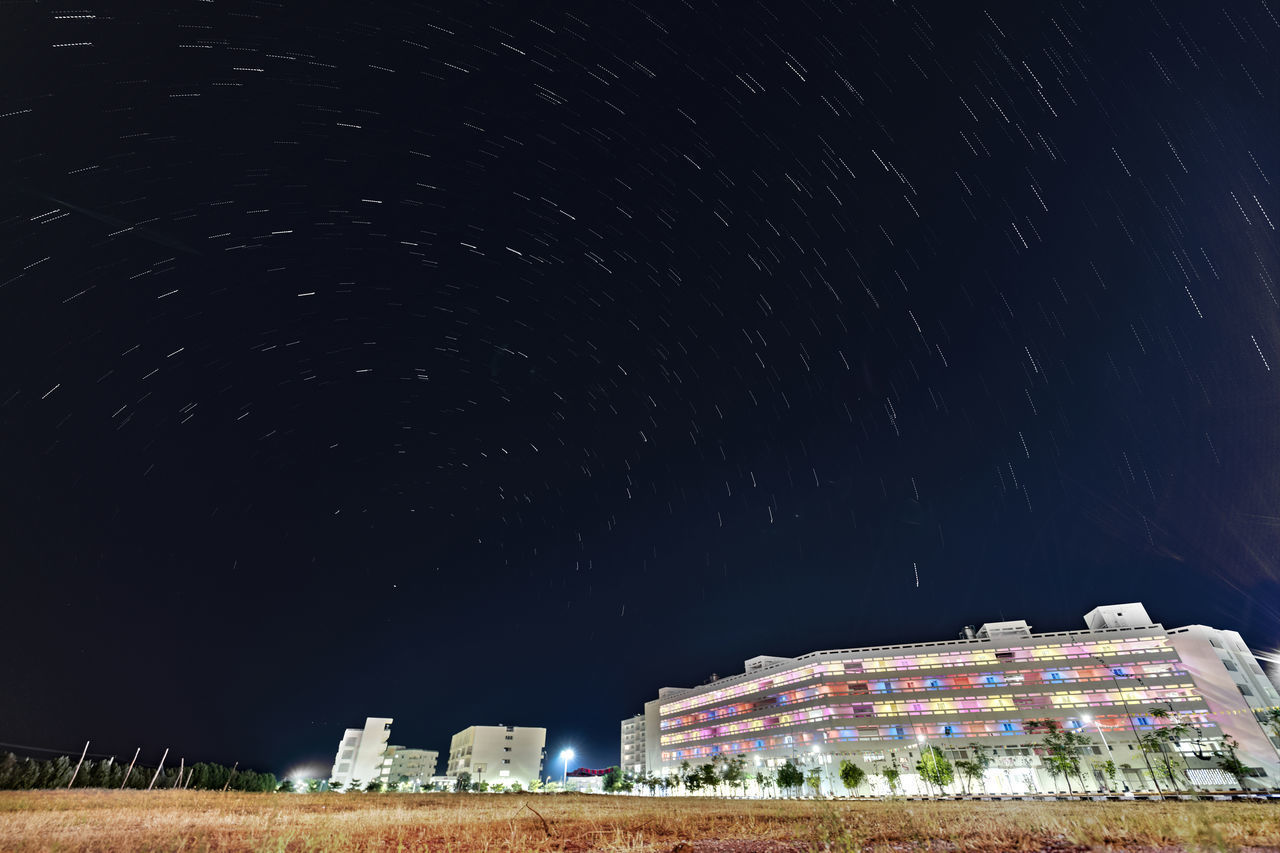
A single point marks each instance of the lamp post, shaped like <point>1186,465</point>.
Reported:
<point>1097,724</point>
<point>566,755</point>
<point>1146,760</point>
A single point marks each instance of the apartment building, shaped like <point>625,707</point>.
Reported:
<point>360,752</point>
<point>498,754</point>
<point>406,766</point>
<point>633,758</point>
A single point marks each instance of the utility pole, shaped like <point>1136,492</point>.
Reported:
<point>130,770</point>
<point>230,777</point>
<point>158,769</point>
<point>78,763</point>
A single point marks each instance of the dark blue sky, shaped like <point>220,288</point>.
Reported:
<point>478,364</point>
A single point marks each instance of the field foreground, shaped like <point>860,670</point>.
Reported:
<point>205,821</point>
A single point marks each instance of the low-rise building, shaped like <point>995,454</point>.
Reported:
<point>498,754</point>
<point>408,767</point>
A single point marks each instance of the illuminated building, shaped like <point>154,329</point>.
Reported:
<point>633,745</point>
<point>360,753</point>
<point>408,766</point>
<point>878,705</point>
<point>498,754</point>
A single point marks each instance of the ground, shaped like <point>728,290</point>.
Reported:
<point>126,821</point>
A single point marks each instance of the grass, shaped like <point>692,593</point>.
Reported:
<point>196,822</point>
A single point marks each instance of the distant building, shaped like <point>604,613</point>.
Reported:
<point>585,780</point>
<point>408,766</point>
<point>1122,677</point>
<point>360,754</point>
<point>498,754</point>
<point>633,745</point>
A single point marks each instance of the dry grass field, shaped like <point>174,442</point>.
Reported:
<point>433,823</point>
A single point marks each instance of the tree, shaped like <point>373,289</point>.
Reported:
<point>1109,768</point>
<point>535,785</point>
<point>482,786</point>
<point>1271,719</point>
<point>709,776</point>
<point>734,773</point>
<point>1170,732</point>
<point>462,783</point>
<point>613,779</point>
<point>934,768</point>
<point>892,776</point>
<point>498,788</point>
<point>789,776</point>
<point>1062,748</point>
<point>968,771</point>
<point>286,787</point>
<point>313,786</point>
<point>982,760</point>
<point>851,775</point>
<point>814,781</point>
<point>335,785</point>
<point>1230,762</point>
<point>392,786</point>
<point>373,786</point>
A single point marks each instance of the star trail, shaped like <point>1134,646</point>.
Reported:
<point>481,362</point>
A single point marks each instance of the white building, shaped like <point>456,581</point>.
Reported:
<point>360,754</point>
<point>633,745</point>
<point>409,767</point>
<point>879,705</point>
<point>498,754</point>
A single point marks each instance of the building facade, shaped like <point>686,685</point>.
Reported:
<point>498,754</point>
<point>633,757</point>
<point>408,767</point>
<point>1120,678</point>
<point>360,753</point>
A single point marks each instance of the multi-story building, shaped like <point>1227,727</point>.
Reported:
<point>498,754</point>
<point>633,745</point>
<point>1119,679</point>
<point>360,753</point>
<point>407,766</point>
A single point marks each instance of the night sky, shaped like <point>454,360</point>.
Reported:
<point>502,363</point>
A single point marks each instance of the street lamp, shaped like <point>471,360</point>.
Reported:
<point>1098,725</point>
<point>566,756</point>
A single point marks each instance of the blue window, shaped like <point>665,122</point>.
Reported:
<point>933,682</point>
<point>946,731</point>
<point>759,744</point>
<point>1144,721</point>
<point>991,679</point>
<point>1008,727</point>
<point>1055,676</point>
<point>1117,671</point>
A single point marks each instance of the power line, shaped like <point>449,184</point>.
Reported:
<point>66,752</point>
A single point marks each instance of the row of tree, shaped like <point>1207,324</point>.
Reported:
<point>1061,752</point>
<point>26,774</point>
